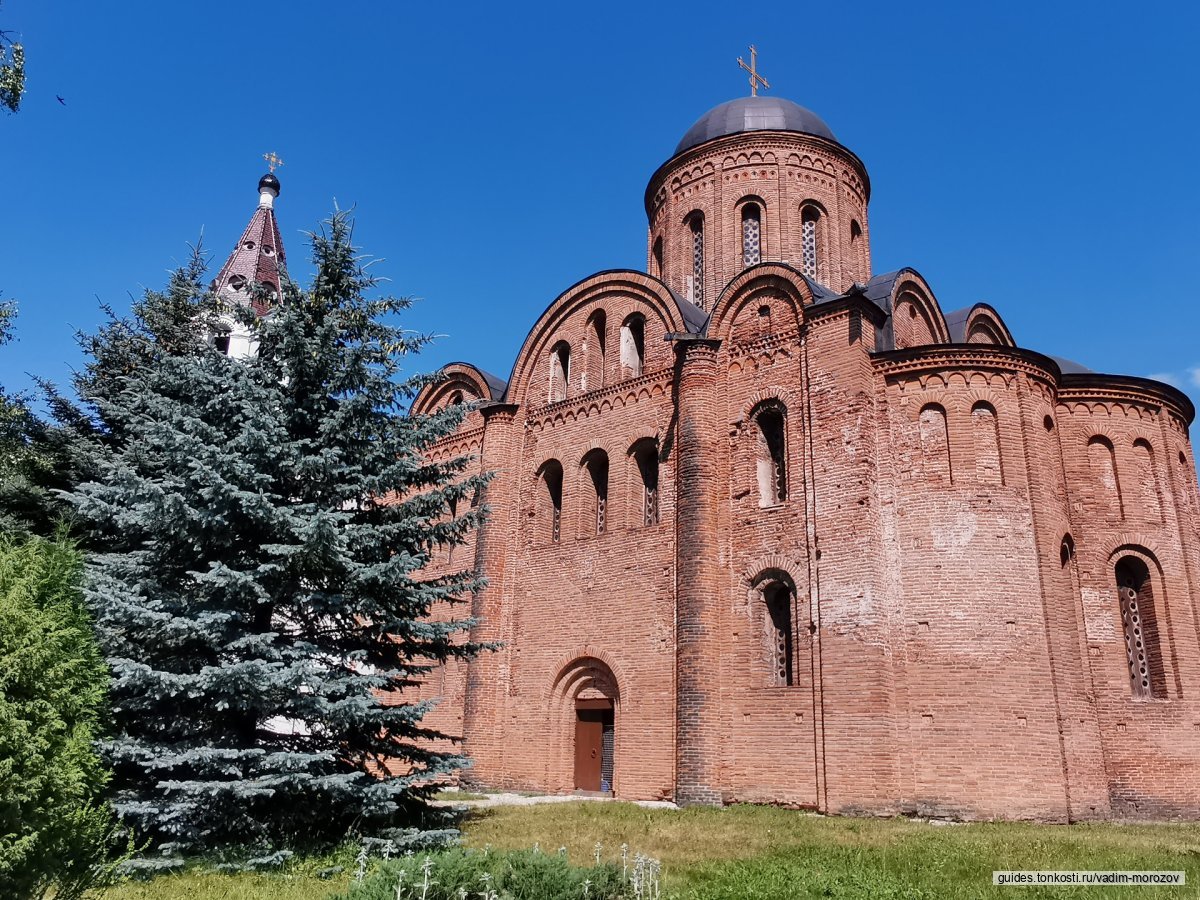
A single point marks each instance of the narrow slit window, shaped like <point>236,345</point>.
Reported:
<point>1140,622</point>
<point>810,218</point>
<point>647,463</point>
<point>772,457</point>
<point>594,374</point>
<point>633,346</point>
<point>552,475</point>
<point>697,286</point>
<point>751,234</point>
<point>777,599</point>
<point>597,468</point>
<point>560,371</point>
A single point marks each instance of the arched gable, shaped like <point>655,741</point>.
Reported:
<point>984,326</point>
<point>783,289</point>
<point>613,291</point>
<point>456,378</point>
<point>917,318</point>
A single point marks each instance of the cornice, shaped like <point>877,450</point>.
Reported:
<point>959,356</point>
<point>579,404</point>
<point>754,139</point>
<point>1098,388</point>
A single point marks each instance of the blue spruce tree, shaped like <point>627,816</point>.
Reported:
<point>261,527</point>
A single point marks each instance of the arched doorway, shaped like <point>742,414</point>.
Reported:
<point>590,703</point>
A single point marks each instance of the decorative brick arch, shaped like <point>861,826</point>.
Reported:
<point>779,633</point>
<point>586,674</point>
<point>1136,543</point>
<point>767,394</point>
<point>757,570</point>
<point>984,326</point>
<point>573,672</point>
<point>583,298</point>
<point>1137,546</point>
<point>777,278</point>
<point>915,290</point>
<point>983,395</point>
<point>611,448</point>
<point>456,376</point>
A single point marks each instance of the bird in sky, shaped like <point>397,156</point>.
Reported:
<point>61,100</point>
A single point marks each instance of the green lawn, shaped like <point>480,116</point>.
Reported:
<point>763,852</point>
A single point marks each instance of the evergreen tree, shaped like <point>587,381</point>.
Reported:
<point>262,526</point>
<point>55,833</point>
<point>30,461</point>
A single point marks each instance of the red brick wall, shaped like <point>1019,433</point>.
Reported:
<point>949,656</point>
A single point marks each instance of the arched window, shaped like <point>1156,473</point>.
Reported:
<point>810,239</point>
<point>560,371</point>
<point>1066,552</point>
<point>646,457</point>
<point>696,280</point>
<point>593,374</point>
<point>751,234</point>
<point>771,462</point>
<point>452,504</point>
<point>935,443</point>
<point>221,342</point>
<point>596,464</point>
<point>552,479</point>
<point>1138,616</point>
<point>986,433</point>
<point>1147,476</point>
<point>777,603</point>
<point>656,258</point>
<point>633,345</point>
<point>856,248</point>
<point>1102,462</point>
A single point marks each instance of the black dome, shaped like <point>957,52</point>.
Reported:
<point>753,114</point>
<point>268,181</point>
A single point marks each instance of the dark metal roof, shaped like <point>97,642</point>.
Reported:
<point>694,317</point>
<point>956,324</point>
<point>1070,367</point>
<point>753,114</point>
<point>495,384</point>
<point>821,294</point>
<point>879,289</point>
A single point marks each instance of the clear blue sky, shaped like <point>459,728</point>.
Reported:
<point>1040,157</point>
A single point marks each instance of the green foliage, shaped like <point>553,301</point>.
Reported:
<point>753,851</point>
<point>511,875</point>
<point>29,465</point>
<point>54,830</point>
<point>12,86</point>
<point>261,526</point>
<point>12,76</point>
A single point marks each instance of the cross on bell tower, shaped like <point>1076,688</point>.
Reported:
<point>755,78</point>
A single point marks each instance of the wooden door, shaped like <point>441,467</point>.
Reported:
<point>589,748</point>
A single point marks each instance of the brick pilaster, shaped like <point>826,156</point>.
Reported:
<point>484,693</point>
<point>698,580</point>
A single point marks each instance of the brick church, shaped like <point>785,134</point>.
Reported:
<point>770,526</point>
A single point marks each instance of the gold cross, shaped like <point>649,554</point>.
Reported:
<point>273,160</point>
<point>755,78</point>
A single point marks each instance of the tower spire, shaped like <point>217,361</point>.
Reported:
<point>259,257</point>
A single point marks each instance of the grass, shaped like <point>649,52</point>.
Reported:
<point>750,852</point>
<point>458,796</point>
